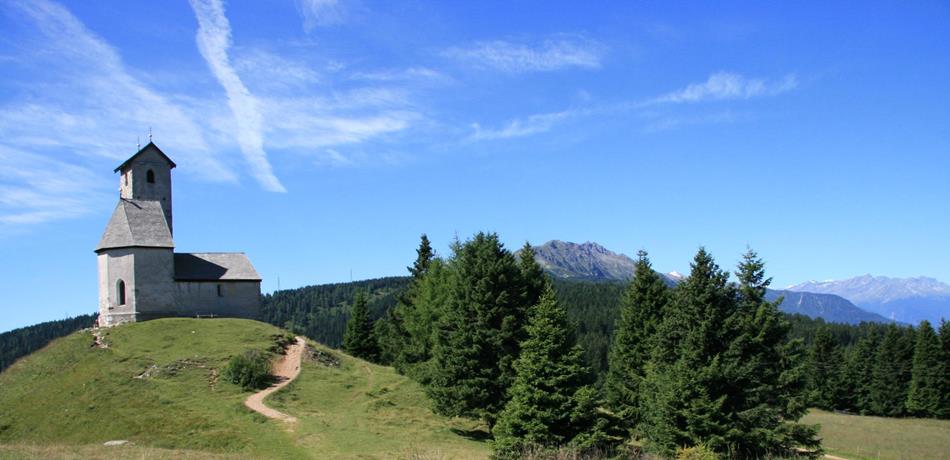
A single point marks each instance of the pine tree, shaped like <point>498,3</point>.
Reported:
<point>923,398</point>
<point>641,308</point>
<point>391,331</point>
<point>424,256</point>
<point>478,335</point>
<point>359,339</point>
<point>765,394</point>
<point>532,276</point>
<point>682,390</point>
<point>944,411</point>
<point>859,373</point>
<point>550,386</point>
<point>824,371</point>
<point>891,376</point>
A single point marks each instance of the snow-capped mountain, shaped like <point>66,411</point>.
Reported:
<point>909,300</point>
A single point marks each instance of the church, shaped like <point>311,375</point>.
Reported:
<point>141,277</point>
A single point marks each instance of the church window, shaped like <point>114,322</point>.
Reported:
<point>120,292</point>
<point>150,177</point>
<point>220,293</point>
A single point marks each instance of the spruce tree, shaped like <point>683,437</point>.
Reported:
<point>944,411</point>
<point>533,279</point>
<point>859,373</point>
<point>825,372</point>
<point>478,335</point>
<point>641,309</point>
<point>683,387</point>
<point>359,339</point>
<point>764,392</point>
<point>924,395</point>
<point>424,256</point>
<point>891,376</point>
<point>550,386</point>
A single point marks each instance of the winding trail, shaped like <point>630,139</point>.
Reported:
<point>286,370</point>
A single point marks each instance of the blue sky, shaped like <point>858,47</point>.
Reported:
<point>323,137</point>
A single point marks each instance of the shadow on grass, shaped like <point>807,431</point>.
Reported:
<point>474,435</point>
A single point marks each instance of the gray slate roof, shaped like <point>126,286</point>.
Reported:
<point>214,266</point>
<point>148,147</point>
<point>136,223</point>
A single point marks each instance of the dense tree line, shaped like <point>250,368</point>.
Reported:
<point>25,340</point>
<point>876,369</point>
<point>321,312</point>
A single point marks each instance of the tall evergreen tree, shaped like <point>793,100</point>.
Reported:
<point>944,411</point>
<point>859,373</point>
<point>682,390</point>
<point>478,335</point>
<point>550,386</point>
<point>825,372</point>
<point>391,330</point>
<point>764,392</point>
<point>360,338</point>
<point>533,279</point>
<point>424,256</point>
<point>924,394</point>
<point>892,369</point>
<point>641,309</point>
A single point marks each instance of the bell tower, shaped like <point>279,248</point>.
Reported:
<point>147,176</point>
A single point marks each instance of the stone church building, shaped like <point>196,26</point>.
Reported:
<point>140,275</point>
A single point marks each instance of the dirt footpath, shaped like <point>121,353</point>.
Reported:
<point>286,370</point>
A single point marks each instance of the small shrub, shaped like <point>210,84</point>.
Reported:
<point>250,370</point>
<point>699,452</point>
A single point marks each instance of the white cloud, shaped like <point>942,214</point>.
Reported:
<point>726,85</point>
<point>318,13</point>
<point>214,39</point>
<point>36,189</point>
<point>552,54</point>
<point>533,124</point>
<point>84,99</point>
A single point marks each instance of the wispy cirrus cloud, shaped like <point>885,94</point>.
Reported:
<point>36,189</point>
<point>551,54</point>
<point>727,85</point>
<point>720,86</point>
<point>214,40</point>
<point>317,13</point>
<point>532,124</point>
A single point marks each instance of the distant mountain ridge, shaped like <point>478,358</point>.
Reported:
<point>908,300</point>
<point>590,261</point>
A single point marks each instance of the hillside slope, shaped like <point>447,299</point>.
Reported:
<point>157,385</point>
<point>910,300</point>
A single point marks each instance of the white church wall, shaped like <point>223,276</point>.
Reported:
<point>219,298</point>
<point>114,265</point>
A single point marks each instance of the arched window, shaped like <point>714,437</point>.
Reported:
<point>150,177</point>
<point>120,292</point>
<point>220,294</point>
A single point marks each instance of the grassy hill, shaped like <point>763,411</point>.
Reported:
<point>157,385</point>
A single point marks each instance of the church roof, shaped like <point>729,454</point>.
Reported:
<point>137,223</point>
<point>148,147</point>
<point>214,266</point>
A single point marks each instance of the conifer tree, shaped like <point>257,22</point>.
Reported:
<point>478,335</point>
<point>682,390</point>
<point>533,279</point>
<point>924,395</point>
<point>424,256</point>
<point>944,411</point>
<point>359,339</point>
<point>765,393</point>
<point>550,386</point>
<point>891,376</point>
<point>859,373</point>
<point>641,308</point>
<point>825,372</point>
